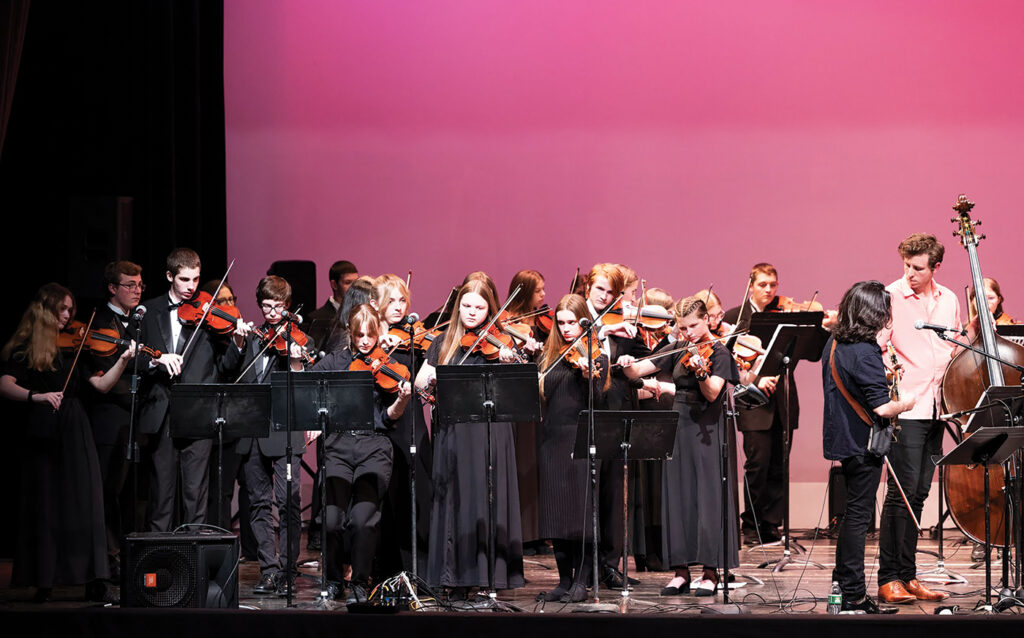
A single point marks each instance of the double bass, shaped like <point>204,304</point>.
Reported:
<point>967,377</point>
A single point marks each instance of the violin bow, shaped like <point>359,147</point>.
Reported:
<point>444,308</point>
<point>206,312</point>
<point>575,280</point>
<point>78,352</point>
<point>572,344</point>
<point>746,300</point>
<point>810,304</point>
<point>408,279</point>
<point>494,319</point>
<point>894,393</point>
<point>669,351</point>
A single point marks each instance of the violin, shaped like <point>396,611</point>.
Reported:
<point>746,350</point>
<point>788,304</point>
<point>100,341</point>
<point>702,350</point>
<point>220,319</point>
<point>387,374</point>
<point>578,356</point>
<point>490,346</point>
<point>275,337</point>
<point>651,316</point>
<point>422,336</point>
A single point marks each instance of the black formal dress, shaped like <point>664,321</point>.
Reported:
<point>565,501</point>
<point>691,505</point>
<point>61,536</point>
<point>763,431</point>
<point>459,524</point>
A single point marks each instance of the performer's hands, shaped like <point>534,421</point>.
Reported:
<point>768,384</point>
<point>171,362</point>
<point>622,329</point>
<point>129,351</point>
<point>53,398</point>
<point>626,361</point>
<point>389,341</point>
<point>505,355</point>
<point>242,330</point>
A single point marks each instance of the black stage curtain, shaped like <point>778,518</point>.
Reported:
<point>116,104</point>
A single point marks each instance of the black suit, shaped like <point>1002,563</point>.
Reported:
<point>109,416</point>
<point>174,458</point>
<point>763,443</point>
<point>266,458</point>
<point>323,323</point>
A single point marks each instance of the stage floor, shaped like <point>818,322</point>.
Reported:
<point>800,588</point>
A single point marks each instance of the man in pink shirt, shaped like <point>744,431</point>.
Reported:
<point>915,297</point>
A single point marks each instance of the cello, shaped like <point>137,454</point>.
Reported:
<point>967,377</point>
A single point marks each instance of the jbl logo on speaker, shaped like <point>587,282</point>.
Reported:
<point>150,581</point>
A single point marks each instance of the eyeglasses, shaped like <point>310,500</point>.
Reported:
<point>133,286</point>
<point>226,301</point>
<point>266,307</point>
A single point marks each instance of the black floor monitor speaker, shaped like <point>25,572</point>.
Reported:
<point>179,570</point>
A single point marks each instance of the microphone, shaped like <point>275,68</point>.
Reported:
<point>920,325</point>
<point>585,323</point>
<point>138,313</point>
<point>291,316</point>
<point>411,318</point>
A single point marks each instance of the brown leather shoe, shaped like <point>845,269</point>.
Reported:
<point>923,593</point>
<point>895,593</point>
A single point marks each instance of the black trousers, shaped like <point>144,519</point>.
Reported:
<point>609,508</point>
<point>267,481</point>
<point>862,474</point>
<point>911,459</point>
<point>175,459</point>
<point>765,477</point>
<point>110,433</point>
<point>358,473</point>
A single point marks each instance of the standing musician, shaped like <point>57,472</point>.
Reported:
<point>762,428</point>
<point>172,459</point>
<point>264,460</point>
<point>459,529</point>
<point>915,297</point>
<point>565,504</point>
<point>692,480</point>
<point>853,356</point>
<point>393,302</point>
<point>110,413</point>
<point>359,464</point>
<point>604,283</point>
<point>527,303</point>
<point>61,538</point>
<point>994,299</point>
<point>324,320</point>
<point>716,313</point>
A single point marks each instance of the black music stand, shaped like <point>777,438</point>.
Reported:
<point>790,342</point>
<point>213,410</point>
<point>626,435</point>
<point>327,402</point>
<point>486,394</point>
<point>987,446</point>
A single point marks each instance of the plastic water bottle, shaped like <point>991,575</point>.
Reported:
<point>835,599</point>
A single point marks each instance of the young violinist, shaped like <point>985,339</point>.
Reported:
<point>109,414</point>
<point>393,302</point>
<point>459,531</point>
<point>915,297</point>
<point>359,462</point>
<point>526,306</point>
<point>763,427</point>
<point>565,511</point>
<point>692,480</point>
<point>171,458</point>
<point>265,459</point>
<point>618,337</point>
<point>62,537</point>
<point>853,356</point>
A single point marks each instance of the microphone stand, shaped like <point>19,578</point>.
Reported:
<point>290,414</point>
<point>132,447</point>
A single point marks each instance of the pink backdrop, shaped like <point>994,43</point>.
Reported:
<point>686,139</point>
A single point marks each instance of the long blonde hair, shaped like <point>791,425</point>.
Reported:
<point>450,344</point>
<point>37,331</point>
<point>384,286</point>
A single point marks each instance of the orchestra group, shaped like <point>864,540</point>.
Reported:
<point>648,349</point>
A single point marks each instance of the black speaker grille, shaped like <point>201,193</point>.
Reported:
<point>175,563</point>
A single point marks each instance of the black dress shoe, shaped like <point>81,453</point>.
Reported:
<point>267,584</point>
<point>283,584</point>
<point>356,595</point>
<point>867,606</point>
<point>576,594</point>
<point>612,578</point>
<point>555,594</point>
<point>676,591</point>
